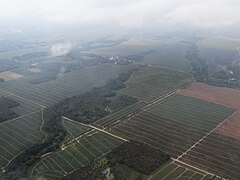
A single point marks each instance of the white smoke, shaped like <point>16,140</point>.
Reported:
<point>61,49</point>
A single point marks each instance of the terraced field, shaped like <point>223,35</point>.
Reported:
<point>175,124</point>
<point>18,135</point>
<point>152,82</point>
<point>71,84</point>
<point>76,155</point>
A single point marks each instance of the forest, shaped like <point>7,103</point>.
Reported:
<point>97,103</point>
<point>5,109</point>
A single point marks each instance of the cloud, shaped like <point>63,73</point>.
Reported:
<point>61,49</point>
<point>127,13</point>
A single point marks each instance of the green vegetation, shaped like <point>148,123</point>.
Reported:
<point>55,135</point>
<point>97,103</point>
<point>151,82</point>
<point>212,70</point>
<point>19,135</point>
<point>5,109</point>
<point>130,160</point>
<point>74,129</point>
<point>214,149</point>
<point>77,155</point>
<point>175,124</point>
<point>138,156</point>
<point>70,84</point>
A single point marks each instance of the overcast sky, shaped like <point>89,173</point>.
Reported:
<point>126,13</point>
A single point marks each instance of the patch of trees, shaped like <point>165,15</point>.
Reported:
<point>92,105</point>
<point>97,103</point>
<point>202,73</point>
<point>138,156</point>
<point>56,133</point>
<point>199,66</point>
<point>5,109</point>
<point>129,156</point>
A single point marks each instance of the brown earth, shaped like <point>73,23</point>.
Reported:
<point>133,42</point>
<point>219,95</point>
<point>34,70</point>
<point>231,126</point>
<point>8,75</point>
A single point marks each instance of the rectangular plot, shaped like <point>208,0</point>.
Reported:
<point>197,177</point>
<point>80,158</point>
<point>25,107</point>
<point>165,171</point>
<point>84,151</point>
<point>3,162</point>
<point>181,108</point>
<point>70,159</point>
<point>63,163</point>
<point>186,175</point>
<point>175,173</point>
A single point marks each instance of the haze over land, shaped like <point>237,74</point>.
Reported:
<point>110,89</point>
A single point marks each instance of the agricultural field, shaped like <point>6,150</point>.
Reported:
<point>230,127</point>
<point>19,134</point>
<point>218,154</point>
<point>68,85</point>
<point>74,129</point>
<point>76,155</point>
<point>179,171</point>
<point>151,82</point>
<point>174,124</point>
<point>219,95</point>
<point>169,52</point>
<point>119,115</point>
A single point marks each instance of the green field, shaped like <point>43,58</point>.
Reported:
<point>174,170</point>
<point>76,155</point>
<point>74,129</point>
<point>218,154</point>
<point>175,124</point>
<point>18,135</point>
<point>71,84</point>
<point>151,82</point>
<point>119,115</point>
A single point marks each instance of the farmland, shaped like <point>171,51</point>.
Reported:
<point>174,124</point>
<point>19,134</point>
<point>151,82</point>
<point>217,154</point>
<point>220,95</point>
<point>197,125</point>
<point>168,52</point>
<point>72,83</point>
<point>179,171</point>
<point>76,155</point>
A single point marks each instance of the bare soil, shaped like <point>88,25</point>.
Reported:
<point>8,75</point>
<point>231,126</point>
<point>34,70</point>
<point>219,95</point>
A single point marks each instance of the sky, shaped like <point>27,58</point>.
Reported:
<point>136,14</point>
